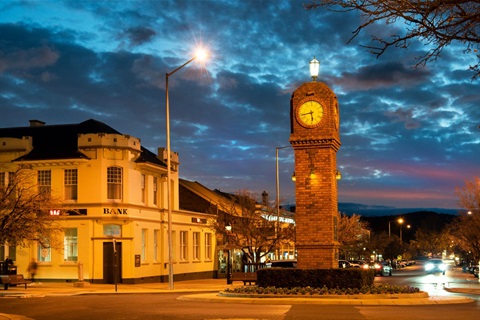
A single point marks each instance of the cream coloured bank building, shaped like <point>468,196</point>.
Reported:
<point>113,194</point>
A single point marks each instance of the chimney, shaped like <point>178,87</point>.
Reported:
<point>265,198</point>
<point>36,123</point>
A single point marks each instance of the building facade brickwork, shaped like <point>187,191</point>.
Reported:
<point>315,144</point>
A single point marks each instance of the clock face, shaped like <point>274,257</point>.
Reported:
<point>310,113</point>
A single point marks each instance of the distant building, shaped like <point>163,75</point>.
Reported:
<point>113,192</point>
<point>196,197</point>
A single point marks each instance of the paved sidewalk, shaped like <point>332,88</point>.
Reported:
<point>73,288</point>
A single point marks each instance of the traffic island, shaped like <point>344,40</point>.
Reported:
<point>420,298</point>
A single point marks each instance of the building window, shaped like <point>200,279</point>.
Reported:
<point>3,182</point>
<point>183,245</point>
<point>196,246</point>
<point>142,185</point>
<point>144,245</point>
<point>8,251</point>
<point>114,183</point>
<point>71,184</point>
<point>156,238</point>
<point>155,193</point>
<point>208,246</point>
<point>44,182</point>
<point>70,245</point>
<point>44,253</point>
<point>112,230</point>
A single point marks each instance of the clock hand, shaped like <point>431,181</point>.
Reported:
<point>310,113</point>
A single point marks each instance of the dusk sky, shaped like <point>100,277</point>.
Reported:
<point>409,135</point>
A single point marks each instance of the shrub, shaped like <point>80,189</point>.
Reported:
<point>316,278</point>
<point>380,289</point>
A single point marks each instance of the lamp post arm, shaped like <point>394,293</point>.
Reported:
<point>183,65</point>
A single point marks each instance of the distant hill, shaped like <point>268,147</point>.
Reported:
<point>372,210</point>
<point>424,220</point>
<point>378,218</point>
<point>365,210</point>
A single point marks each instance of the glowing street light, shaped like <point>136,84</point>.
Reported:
<point>201,54</point>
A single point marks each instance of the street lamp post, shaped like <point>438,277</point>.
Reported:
<point>277,184</point>
<point>200,54</point>
<point>400,221</point>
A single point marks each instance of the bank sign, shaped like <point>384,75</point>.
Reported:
<point>115,211</point>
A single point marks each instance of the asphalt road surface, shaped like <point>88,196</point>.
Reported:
<point>166,306</point>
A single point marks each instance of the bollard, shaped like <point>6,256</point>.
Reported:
<point>80,282</point>
<point>80,271</point>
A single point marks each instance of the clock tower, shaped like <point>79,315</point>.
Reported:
<point>315,139</point>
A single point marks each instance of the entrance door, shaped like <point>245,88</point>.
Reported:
<point>112,263</point>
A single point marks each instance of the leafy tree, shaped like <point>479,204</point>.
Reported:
<point>465,229</point>
<point>252,227</point>
<point>353,235</point>
<point>431,242</point>
<point>378,243</point>
<point>393,247</point>
<point>436,23</point>
<point>24,212</point>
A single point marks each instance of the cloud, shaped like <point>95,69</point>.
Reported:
<point>405,131</point>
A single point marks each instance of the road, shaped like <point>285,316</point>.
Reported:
<point>166,306</point>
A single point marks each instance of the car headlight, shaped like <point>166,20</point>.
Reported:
<point>442,267</point>
<point>429,266</point>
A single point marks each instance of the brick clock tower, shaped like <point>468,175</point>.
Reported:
<point>315,139</point>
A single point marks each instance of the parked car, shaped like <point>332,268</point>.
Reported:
<point>282,264</point>
<point>361,263</point>
<point>410,262</point>
<point>475,271</point>
<point>347,264</point>
<point>435,265</point>
<point>381,268</point>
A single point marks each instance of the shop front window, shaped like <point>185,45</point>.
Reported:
<point>70,245</point>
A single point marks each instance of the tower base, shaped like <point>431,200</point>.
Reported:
<point>317,256</point>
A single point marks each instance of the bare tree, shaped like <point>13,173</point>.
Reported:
<point>469,196</point>
<point>437,23</point>
<point>465,229</point>
<point>251,227</point>
<point>25,212</point>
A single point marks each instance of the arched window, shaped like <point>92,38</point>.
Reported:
<point>112,230</point>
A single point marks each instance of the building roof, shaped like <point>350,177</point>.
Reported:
<point>219,200</point>
<point>205,193</point>
<point>54,142</point>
